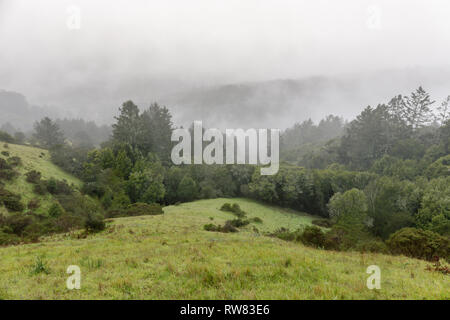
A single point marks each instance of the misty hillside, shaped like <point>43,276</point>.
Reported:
<point>266,104</point>
<point>16,110</point>
<point>281,103</point>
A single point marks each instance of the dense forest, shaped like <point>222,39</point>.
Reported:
<point>380,182</point>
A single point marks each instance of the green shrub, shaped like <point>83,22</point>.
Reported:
<point>8,174</point>
<point>56,187</point>
<point>228,227</point>
<point>33,176</point>
<point>211,227</point>
<point>233,208</point>
<point>40,188</point>
<point>79,205</point>
<point>256,220</point>
<point>94,223</point>
<point>4,165</point>
<point>313,236</point>
<point>325,223</point>
<point>16,223</point>
<point>15,161</point>
<point>375,246</point>
<point>7,239</point>
<point>421,244</point>
<point>115,213</point>
<point>39,266</point>
<point>141,209</point>
<point>5,153</point>
<point>33,204</point>
<point>287,235</point>
<point>338,239</point>
<point>11,201</point>
<point>136,209</point>
<point>95,189</point>
<point>66,223</point>
<point>55,210</point>
<point>239,222</point>
<point>226,207</point>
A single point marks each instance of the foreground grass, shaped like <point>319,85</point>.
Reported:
<point>33,159</point>
<point>172,257</point>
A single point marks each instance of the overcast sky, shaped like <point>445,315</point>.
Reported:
<point>43,52</point>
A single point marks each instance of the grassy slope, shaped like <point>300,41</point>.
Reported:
<point>172,257</point>
<point>33,159</point>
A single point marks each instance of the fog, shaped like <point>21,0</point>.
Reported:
<point>340,56</point>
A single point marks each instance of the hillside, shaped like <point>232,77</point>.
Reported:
<point>33,159</point>
<point>171,256</point>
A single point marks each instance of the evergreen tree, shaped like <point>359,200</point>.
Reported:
<point>128,128</point>
<point>157,131</point>
<point>48,133</point>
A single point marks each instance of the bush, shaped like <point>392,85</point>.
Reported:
<point>141,209</point>
<point>233,208</point>
<point>211,227</point>
<point>40,188</point>
<point>338,239</point>
<point>55,210</point>
<point>94,223</point>
<point>56,187</point>
<point>94,189</point>
<point>375,246</point>
<point>226,207</point>
<point>4,165</point>
<point>6,170</point>
<point>33,204</point>
<point>238,222</point>
<point>115,213</point>
<point>16,223</point>
<point>5,153</point>
<point>325,223</point>
<point>11,201</point>
<point>8,174</point>
<point>287,235</point>
<point>33,176</point>
<point>7,239</point>
<point>39,266</point>
<point>313,236</point>
<point>256,220</point>
<point>14,161</point>
<point>228,227</point>
<point>421,244</point>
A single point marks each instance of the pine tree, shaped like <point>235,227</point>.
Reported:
<point>128,127</point>
<point>48,133</point>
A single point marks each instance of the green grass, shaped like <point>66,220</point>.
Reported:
<point>273,217</point>
<point>33,159</point>
<point>171,257</point>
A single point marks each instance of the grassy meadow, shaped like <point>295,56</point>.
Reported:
<point>171,257</point>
